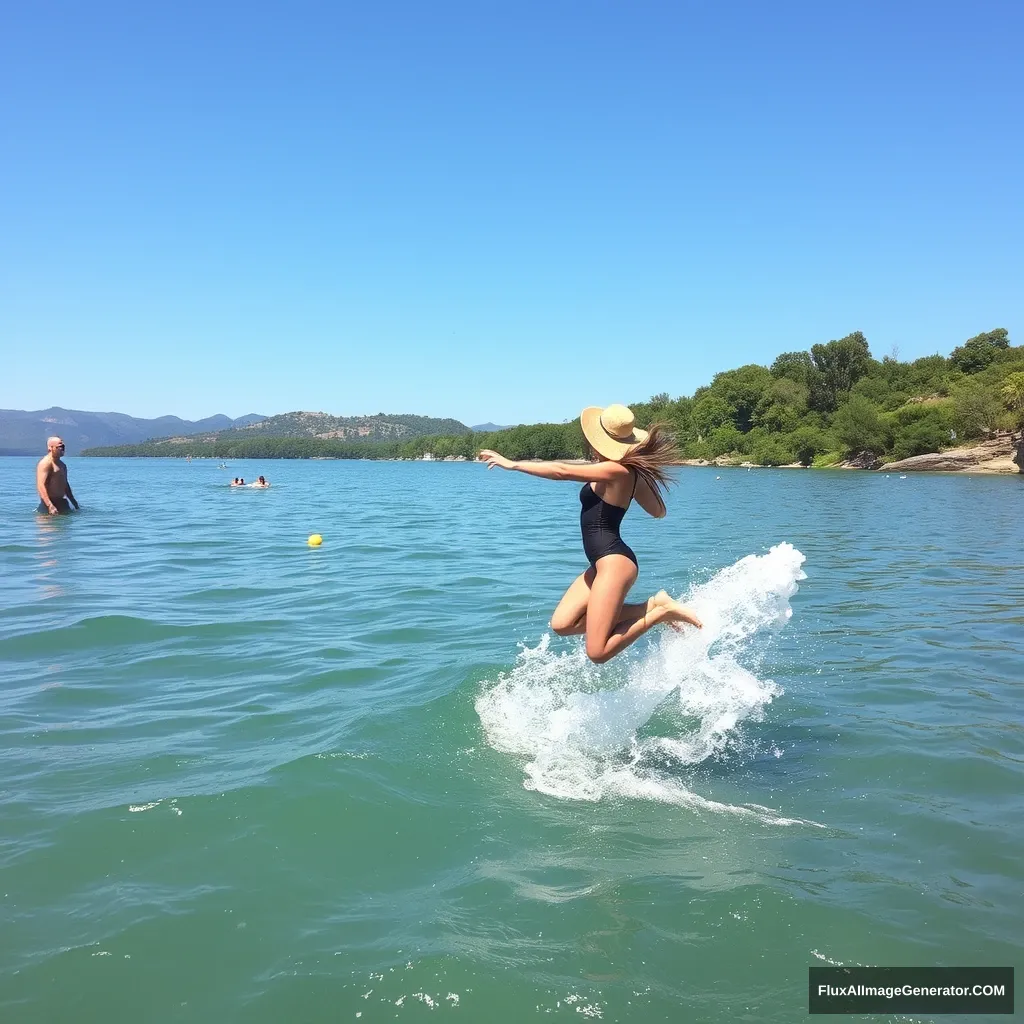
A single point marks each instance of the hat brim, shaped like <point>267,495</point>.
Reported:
<point>604,443</point>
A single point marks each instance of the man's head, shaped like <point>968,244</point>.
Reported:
<point>55,446</point>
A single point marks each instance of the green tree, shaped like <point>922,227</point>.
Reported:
<point>742,390</point>
<point>877,390</point>
<point>796,366</point>
<point>928,374</point>
<point>725,439</point>
<point>999,338</point>
<point>782,406</point>
<point>921,437</point>
<point>975,354</point>
<point>837,367</point>
<point>751,438</point>
<point>920,428</point>
<point>859,427</point>
<point>807,442</point>
<point>698,450</point>
<point>772,451</point>
<point>975,409</point>
<point>679,417</point>
<point>709,412</point>
<point>1012,393</point>
<point>549,442</point>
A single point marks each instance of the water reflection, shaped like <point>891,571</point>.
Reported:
<point>50,532</point>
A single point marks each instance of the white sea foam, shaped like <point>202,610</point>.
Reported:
<point>680,702</point>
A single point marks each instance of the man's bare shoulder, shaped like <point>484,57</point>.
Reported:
<point>45,463</point>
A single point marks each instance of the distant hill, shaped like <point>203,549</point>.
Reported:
<point>294,426</point>
<point>25,433</point>
<point>322,425</point>
<point>487,428</point>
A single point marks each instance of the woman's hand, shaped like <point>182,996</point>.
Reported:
<point>494,459</point>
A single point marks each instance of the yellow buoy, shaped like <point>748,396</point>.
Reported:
<point>315,540</point>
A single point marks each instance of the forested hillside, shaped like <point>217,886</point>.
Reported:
<point>815,407</point>
<point>837,400</point>
<point>825,404</point>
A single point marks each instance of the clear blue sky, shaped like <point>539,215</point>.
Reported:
<point>494,210</point>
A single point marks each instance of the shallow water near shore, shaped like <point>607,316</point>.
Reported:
<point>246,779</point>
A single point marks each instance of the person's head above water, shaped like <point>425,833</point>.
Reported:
<point>262,481</point>
<point>55,446</point>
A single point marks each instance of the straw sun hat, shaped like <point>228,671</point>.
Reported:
<point>610,431</point>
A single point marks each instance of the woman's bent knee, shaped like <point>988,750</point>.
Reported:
<point>564,626</point>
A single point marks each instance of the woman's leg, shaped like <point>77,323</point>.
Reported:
<point>570,617</point>
<point>609,631</point>
<point>571,610</point>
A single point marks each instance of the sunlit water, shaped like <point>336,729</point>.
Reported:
<point>244,779</point>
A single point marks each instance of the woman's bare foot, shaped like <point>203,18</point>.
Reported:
<point>674,613</point>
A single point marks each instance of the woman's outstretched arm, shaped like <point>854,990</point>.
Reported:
<point>601,472</point>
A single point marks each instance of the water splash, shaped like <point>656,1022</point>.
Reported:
<point>681,701</point>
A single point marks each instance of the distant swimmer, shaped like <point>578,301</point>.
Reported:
<point>52,481</point>
<point>260,482</point>
<point>626,463</point>
<point>239,481</point>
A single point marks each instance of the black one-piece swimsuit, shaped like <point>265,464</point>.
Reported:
<point>599,523</point>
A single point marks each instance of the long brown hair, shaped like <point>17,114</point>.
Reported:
<point>652,458</point>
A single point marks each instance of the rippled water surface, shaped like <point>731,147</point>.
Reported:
<point>246,780</point>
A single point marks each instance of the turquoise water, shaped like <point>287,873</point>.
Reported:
<point>246,780</point>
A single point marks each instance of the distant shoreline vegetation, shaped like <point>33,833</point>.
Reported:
<point>543,437</point>
<point>814,407</point>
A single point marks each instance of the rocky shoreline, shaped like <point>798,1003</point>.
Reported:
<point>1000,455</point>
<point>1003,454</point>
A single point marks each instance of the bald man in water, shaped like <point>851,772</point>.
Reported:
<point>52,481</point>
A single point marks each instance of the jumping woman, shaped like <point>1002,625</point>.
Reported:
<point>626,463</point>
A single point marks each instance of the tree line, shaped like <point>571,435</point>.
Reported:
<point>542,440</point>
<point>837,400</point>
<point>814,407</point>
